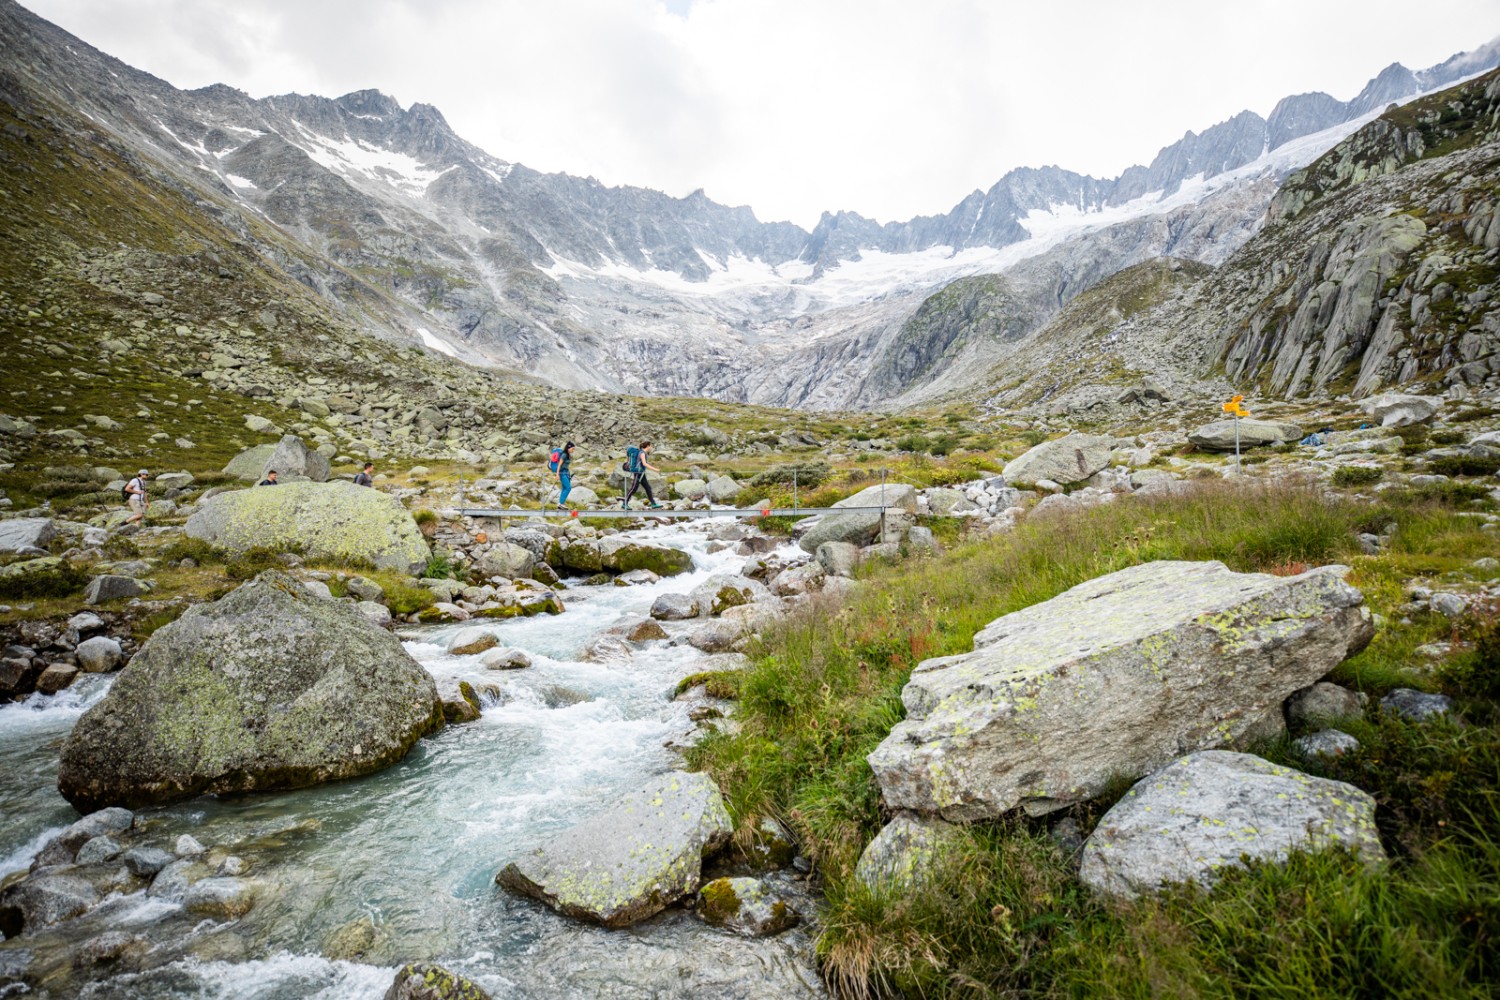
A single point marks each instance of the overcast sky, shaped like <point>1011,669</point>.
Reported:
<point>890,108</point>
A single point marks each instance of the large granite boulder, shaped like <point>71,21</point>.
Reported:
<point>618,554</point>
<point>1070,459</point>
<point>633,859</point>
<point>295,460</point>
<point>1394,409</point>
<point>506,559</point>
<point>25,534</point>
<point>266,688</point>
<point>860,527</point>
<point>1219,435</point>
<point>338,521</point>
<point>252,463</point>
<point>1204,813</point>
<point>904,851</point>
<point>1115,677</point>
<point>723,591</point>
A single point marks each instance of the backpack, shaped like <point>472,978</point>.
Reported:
<point>125,493</point>
<point>554,460</point>
<point>632,460</point>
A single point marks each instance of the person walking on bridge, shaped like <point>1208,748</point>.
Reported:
<point>561,464</point>
<point>637,465</point>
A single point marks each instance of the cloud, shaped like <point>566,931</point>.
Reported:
<point>884,107</point>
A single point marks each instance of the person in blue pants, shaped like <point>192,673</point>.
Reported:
<point>565,475</point>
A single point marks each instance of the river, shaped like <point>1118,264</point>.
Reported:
<point>402,863</point>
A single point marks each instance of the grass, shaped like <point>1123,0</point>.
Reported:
<point>1004,915</point>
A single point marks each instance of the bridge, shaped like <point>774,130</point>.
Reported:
<point>666,512</point>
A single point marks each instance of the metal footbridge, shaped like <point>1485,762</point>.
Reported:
<point>666,512</point>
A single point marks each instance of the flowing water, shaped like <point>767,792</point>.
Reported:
<point>402,863</point>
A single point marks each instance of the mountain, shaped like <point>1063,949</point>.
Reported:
<point>416,235</point>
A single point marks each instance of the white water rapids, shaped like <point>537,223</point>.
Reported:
<point>412,851</point>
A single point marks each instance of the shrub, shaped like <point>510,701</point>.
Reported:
<point>1357,475</point>
<point>425,516</point>
<point>185,547</point>
<point>404,597</point>
<point>63,580</point>
<point>440,566</point>
<point>1464,465</point>
<point>807,474</point>
<point>252,562</point>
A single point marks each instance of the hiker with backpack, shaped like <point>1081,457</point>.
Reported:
<point>636,465</point>
<point>560,463</point>
<point>135,497</point>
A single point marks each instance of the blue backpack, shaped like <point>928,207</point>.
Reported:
<point>554,459</point>
<point>633,460</point>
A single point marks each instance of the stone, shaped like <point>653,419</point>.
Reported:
<point>101,823</point>
<point>469,641</point>
<point>173,480</point>
<point>1069,459</point>
<point>111,946</point>
<point>838,558</point>
<point>171,883</point>
<point>252,463</point>
<point>723,489</point>
<point>1325,743</point>
<point>425,981</point>
<point>861,527</point>
<point>318,589</point>
<point>44,900</point>
<point>220,898</point>
<point>623,555</point>
<point>295,460</point>
<point>98,850</point>
<point>23,534</point>
<point>505,658</point>
<point>85,621</point>
<point>723,591</point>
<point>56,677</point>
<point>362,588</point>
<point>508,560</point>
<point>266,688</point>
<point>147,861</point>
<point>1449,605</point>
<point>674,607</point>
<point>188,846</point>
<point>904,851</point>
<point>1204,813</point>
<point>631,860</point>
<point>1394,409</point>
<point>1324,701</point>
<point>335,521</point>
<point>375,614</point>
<point>690,489</point>
<point>637,578</point>
<point>458,698</point>
<point>1219,435</point>
<point>744,906</point>
<point>1417,706</point>
<point>717,636</point>
<point>944,502</point>
<point>771,846</point>
<point>1116,676</point>
<point>106,588</point>
<point>804,578</point>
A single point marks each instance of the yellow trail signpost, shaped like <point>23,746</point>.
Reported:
<point>1236,408</point>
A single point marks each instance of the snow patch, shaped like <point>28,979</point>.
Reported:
<point>435,343</point>
<point>358,159</point>
<point>244,183</point>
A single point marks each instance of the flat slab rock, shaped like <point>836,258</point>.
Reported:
<point>1119,675</point>
<point>1203,813</point>
<point>633,859</point>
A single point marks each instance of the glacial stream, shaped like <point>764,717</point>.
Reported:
<point>399,866</point>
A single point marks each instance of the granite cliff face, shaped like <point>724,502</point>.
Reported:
<point>418,236</point>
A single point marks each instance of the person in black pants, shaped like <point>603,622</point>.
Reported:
<point>637,464</point>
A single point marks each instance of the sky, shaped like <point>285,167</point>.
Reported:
<point>890,108</point>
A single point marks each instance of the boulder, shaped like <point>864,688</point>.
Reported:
<point>23,534</point>
<point>1219,435</point>
<point>944,502</point>
<point>631,860</point>
<point>1324,701</point>
<point>723,591</point>
<point>514,562</point>
<point>691,489</point>
<point>375,614</point>
<point>425,981</point>
<point>266,688</point>
<point>1394,409</point>
<point>1116,676</point>
<point>147,861</point>
<point>295,460</point>
<point>744,906</point>
<point>838,558</point>
<point>469,641</point>
<point>108,587</point>
<point>903,852</point>
<point>861,527</point>
<point>1206,812</point>
<point>505,658</point>
<point>618,554</point>
<point>1069,459</point>
<point>252,463</point>
<point>220,898</point>
<point>637,578</point>
<point>99,655</point>
<point>56,677</point>
<point>1325,743</point>
<point>458,698</point>
<point>723,489</point>
<point>1417,706</point>
<point>337,521</point>
<point>43,900</point>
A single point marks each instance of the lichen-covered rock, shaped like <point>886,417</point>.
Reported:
<point>23,534</point>
<point>904,851</point>
<point>338,521</point>
<point>633,859</point>
<point>618,554</point>
<point>514,562</point>
<point>1324,701</point>
<point>861,527</point>
<point>723,591</point>
<point>1117,676</point>
<point>469,641</point>
<point>1199,815</point>
<point>295,460</point>
<point>425,981</point>
<point>110,587</point>
<point>42,900</point>
<point>1070,459</point>
<point>1325,743</point>
<point>505,658</point>
<point>1417,706</point>
<point>674,607</point>
<point>1394,409</point>
<point>265,688</point>
<point>745,906</point>
<point>1219,435</point>
<point>252,463</point>
<point>458,698</point>
<point>220,898</point>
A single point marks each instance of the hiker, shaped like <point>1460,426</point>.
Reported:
<point>270,479</point>
<point>135,497</point>
<point>636,465</point>
<point>365,477</point>
<point>560,464</point>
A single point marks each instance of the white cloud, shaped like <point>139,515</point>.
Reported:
<point>884,107</point>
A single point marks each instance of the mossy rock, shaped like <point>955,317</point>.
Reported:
<point>745,906</point>
<point>424,981</point>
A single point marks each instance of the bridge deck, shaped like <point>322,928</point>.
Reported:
<point>667,512</point>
